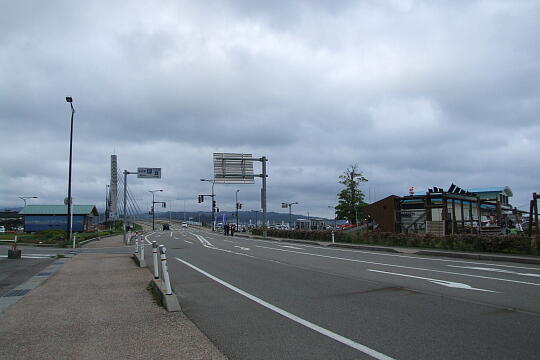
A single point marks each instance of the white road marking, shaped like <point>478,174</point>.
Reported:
<point>446,283</point>
<point>399,266</point>
<point>495,270</point>
<point>229,241</point>
<point>190,242</point>
<point>33,256</point>
<point>203,241</point>
<point>374,252</point>
<point>291,247</point>
<point>366,350</point>
<point>242,248</point>
<point>171,234</point>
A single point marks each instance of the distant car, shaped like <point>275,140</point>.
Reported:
<point>2,229</point>
<point>184,225</point>
<point>166,227</point>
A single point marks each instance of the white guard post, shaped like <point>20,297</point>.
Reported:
<point>141,255</point>
<point>332,236</point>
<point>155,256</point>
<point>136,244</point>
<point>164,271</point>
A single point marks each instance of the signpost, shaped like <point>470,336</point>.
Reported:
<point>149,173</point>
<point>233,168</point>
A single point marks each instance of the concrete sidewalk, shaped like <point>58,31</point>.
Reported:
<point>97,307</point>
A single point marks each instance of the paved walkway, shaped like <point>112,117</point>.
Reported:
<point>97,307</point>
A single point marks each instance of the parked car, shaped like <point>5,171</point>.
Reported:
<point>166,227</point>
<point>2,229</point>
<point>184,225</point>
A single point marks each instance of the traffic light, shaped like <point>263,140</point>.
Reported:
<point>217,209</point>
<point>214,203</point>
<point>164,204</point>
<point>239,206</point>
<point>201,198</point>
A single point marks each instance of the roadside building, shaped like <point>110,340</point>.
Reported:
<point>54,217</point>
<point>439,212</point>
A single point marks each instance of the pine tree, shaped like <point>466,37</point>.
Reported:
<point>351,199</point>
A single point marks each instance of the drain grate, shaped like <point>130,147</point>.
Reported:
<point>44,274</point>
<point>16,292</point>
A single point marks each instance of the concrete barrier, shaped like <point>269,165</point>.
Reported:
<point>161,288</point>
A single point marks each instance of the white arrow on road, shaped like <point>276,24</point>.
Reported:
<point>241,248</point>
<point>446,283</point>
<point>495,270</point>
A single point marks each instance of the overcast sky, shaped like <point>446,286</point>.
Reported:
<point>417,93</point>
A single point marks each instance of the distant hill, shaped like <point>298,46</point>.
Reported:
<point>244,216</point>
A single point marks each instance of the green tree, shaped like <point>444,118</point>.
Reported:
<point>351,199</point>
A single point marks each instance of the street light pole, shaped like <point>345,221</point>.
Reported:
<point>69,204</point>
<point>24,198</point>
<point>256,213</point>
<point>289,205</point>
<point>333,207</point>
<point>153,209</point>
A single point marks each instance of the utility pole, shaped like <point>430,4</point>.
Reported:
<point>237,206</point>
<point>263,194</point>
<point>213,203</point>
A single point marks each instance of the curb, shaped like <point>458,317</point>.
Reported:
<point>476,256</point>
<point>84,242</point>
<point>364,247</point>
<point>138,262</point>
<point>461,255</point>
<point>169,302</point>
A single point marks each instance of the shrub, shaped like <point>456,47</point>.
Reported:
<point>512,244</point>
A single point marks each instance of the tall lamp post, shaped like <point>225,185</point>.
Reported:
<point>24,198</point>
<point>153,208</point>
<point>333,207</point>
<point>289,205</point>
<point>213,203</point>
<point>69,204</point>
<point>237,207</point>
<point>256,213</point>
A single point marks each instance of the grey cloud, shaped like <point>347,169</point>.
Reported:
<point>417,93</point>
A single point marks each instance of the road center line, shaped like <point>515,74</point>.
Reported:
<point>446,283</point>
<point>366,350</point>
<point>398,266</point>
<point>396,255</point>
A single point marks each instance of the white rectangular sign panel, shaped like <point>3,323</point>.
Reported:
<point>231,168</point>
<point>149,173</point>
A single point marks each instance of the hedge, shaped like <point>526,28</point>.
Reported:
<point>511,244</point>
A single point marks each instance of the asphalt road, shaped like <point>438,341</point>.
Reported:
<point>260,299</point>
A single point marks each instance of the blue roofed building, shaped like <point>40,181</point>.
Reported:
<point>54,217</point>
